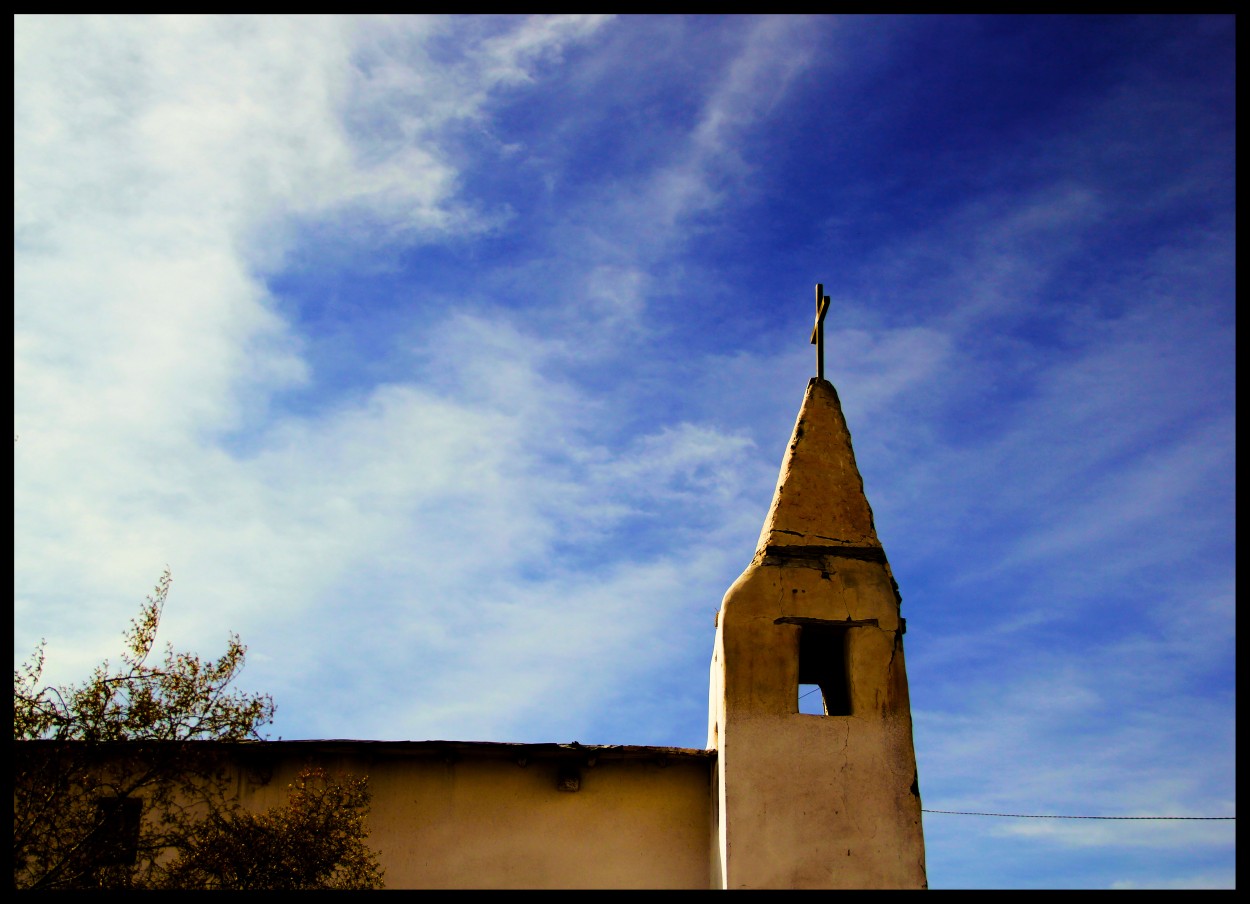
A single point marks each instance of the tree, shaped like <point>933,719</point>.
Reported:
<point>312,842</point>
<point>115,787</point>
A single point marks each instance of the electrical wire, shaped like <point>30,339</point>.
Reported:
<point>1050,815</point>
<point>1053,816</point>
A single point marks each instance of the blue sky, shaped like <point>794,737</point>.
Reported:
<point>450,361</point>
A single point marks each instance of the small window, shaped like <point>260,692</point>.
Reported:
<point>117,830</point>
<point>824,686</point>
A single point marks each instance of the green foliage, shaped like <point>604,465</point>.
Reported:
<point>150,733</point>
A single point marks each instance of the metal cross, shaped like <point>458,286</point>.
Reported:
<point>818,331</point>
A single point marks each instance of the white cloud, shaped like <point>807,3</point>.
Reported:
<point>705,168</point>
<point>156,172</point>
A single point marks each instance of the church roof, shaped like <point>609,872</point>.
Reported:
<point>819,500</point>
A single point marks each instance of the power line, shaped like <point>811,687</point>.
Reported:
<point>1052,816</point>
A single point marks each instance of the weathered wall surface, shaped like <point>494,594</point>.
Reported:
<point>465,815</point>
<point>842,789</point>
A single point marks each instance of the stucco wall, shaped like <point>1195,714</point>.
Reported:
<point>839,789</point>
<point>465,815</point>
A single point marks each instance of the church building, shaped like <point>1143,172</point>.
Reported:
<point>786,794</point>
<point>808,778</point>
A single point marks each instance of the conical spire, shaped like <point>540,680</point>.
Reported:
<point>819,499</point>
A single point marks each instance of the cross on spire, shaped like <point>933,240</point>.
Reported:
<point>818,330</point>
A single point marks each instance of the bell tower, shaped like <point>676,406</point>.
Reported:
<point>824,795</point>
